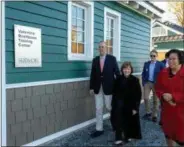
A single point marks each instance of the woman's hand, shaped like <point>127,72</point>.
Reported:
<point>167,97</point>
<point>172,103</point>
<point>134,112</point>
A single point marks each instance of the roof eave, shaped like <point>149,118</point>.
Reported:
<point>143,8</point>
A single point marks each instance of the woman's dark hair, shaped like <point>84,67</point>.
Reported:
<point>125,65</point>
<point>167,55</point>
<point>178,53</point>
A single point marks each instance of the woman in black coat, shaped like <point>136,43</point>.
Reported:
<point>125,106</point>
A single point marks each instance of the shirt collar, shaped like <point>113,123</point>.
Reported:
<point>153,62</point>
<point>102,57</point>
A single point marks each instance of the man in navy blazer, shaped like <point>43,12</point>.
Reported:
<point>103,73</point>
<point>165,61</point>
<point>149,76</point>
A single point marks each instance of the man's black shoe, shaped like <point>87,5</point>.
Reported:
<point>118,137</point>
<point>154,119</point>
<point>97,134</point>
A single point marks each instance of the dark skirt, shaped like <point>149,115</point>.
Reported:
<point>123,120</point>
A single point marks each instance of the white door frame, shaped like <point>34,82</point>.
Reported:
<point>3,76</point>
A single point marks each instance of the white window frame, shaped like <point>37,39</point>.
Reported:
<point>89,31</point>
<point>116,45</point>
<point>158,35</point>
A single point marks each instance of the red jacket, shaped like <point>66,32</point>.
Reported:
<point>172,117</point>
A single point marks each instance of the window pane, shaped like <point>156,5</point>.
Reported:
<point>74,24</point>
<point>112,23</point>
<point>74,36</point>
<point>80,37</point>
<point>107,25</point>
<point>108,42</point>
<point>80,13</point>
<point>110,50</point>
<point>80,25</point>
<point>74,47</point>
<point>112,33</point>
<point>111,42</point>
<point>74,11</point>
<point>80,48</point>
<point>107,34</point>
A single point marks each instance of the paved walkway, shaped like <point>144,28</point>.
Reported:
<point>152,136</point>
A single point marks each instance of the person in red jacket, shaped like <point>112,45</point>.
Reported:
<point>169,88</point>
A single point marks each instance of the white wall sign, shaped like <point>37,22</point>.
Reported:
<point>27,42</point>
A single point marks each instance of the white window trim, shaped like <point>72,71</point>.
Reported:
<point>89,43</point>
<point>116,46</point>
<point>166,27</point>
<point>159,35</point>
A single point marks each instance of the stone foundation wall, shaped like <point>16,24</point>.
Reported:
<point>35,112</point>
<point>38,111</point>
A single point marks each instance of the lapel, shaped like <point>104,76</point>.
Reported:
<point>148,67</point>
<point>155,66</point>
<point>105,62</point>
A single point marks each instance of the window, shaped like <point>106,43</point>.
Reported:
<point>112,32</point>
<point>159,31</point>
<point>80,30</point>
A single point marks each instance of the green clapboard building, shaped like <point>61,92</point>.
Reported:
<point>47,49</point>
<point>165,36</point>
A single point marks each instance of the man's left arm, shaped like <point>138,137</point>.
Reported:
<point>162,66</point>
<point>116,68</point>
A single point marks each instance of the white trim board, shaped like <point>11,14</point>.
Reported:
<point>166,27</point>
<point>117,20</point>
<point>89,31</point>
<point>39,83</point>
<point>64,132</point>
<point>3,78</point>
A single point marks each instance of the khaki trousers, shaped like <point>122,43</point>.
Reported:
<point>148,87</point>
<point>100,99</point>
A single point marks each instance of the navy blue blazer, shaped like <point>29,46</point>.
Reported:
<point>164,62</point>
<point>105,78</point>
<point>145,74</point>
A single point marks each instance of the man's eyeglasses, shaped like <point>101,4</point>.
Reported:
<point>152,56</point>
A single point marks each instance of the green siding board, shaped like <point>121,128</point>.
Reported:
<point>50,67</point>
<point>46,57</point>
<point>170,45</point>
<point>125,17</point>
<point>46,48</point>
<point>132,29</point>
<point>134,50</point>
<point>135,36</point>
<point>28,7</point>
<point>131,55</point>
<point>98,19</point>
<point>21,15</point>
<point>42,76</point>
<point>135,42</point>
<point>45,30</point>
<point>100,26</point>
<point>62,7</point>
<point>98,33</point>
<point>125,45</point>
<point>130,24</point>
